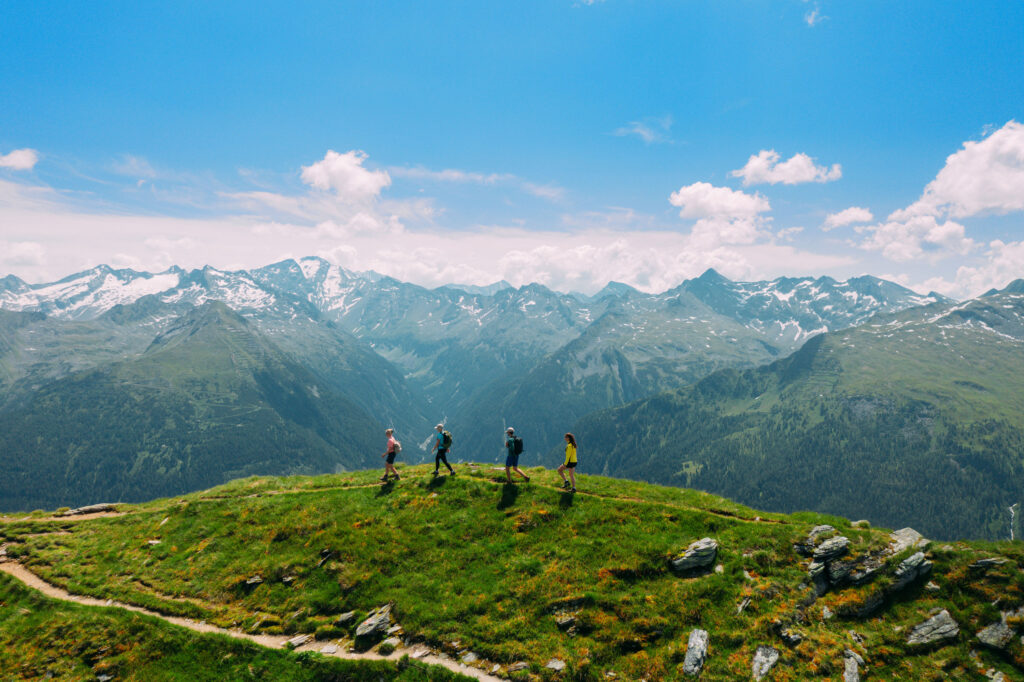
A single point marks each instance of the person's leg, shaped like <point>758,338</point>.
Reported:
<point>572,475</point>
<point>508,474</point>
<point>517,470</point>
<point>561,471</point>
<point>444,458</point>
<point>437,461</point>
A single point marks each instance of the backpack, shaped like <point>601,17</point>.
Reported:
<point>517,445</point>
<point>446,439</point>
<point>398,447</point>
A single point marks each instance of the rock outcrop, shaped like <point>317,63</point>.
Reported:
<point>764,659</point>
<point>939,628</point>
<point>699,556</point>
<point>696,652</point>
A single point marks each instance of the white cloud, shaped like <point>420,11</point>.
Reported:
<point>20,159</point>
<point>814,17</point>
<point>548,191</point>
<point>345,175</point>
<point>704,200</point>
<point>764,167</point>
<point>1004,262</point>
<point>849,216</point>
<point>985,177</point>
<point>649,129</point>
<point>918,237</point>
<point>21,254</point>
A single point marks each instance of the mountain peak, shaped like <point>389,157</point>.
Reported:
<point>712,276</point>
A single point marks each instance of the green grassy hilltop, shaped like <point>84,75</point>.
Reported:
<point>529,573</point>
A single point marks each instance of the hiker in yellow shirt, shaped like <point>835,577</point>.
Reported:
<point>570,463</point>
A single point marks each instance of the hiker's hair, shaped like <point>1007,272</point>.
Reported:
<point>388,432</point>
<point>572,439</point>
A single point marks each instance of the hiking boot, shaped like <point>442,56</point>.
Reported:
<point>572,490</point>
<point>435,473</point>
<point>384,477</point>
<point>565,484</point>
<point>452,472</point>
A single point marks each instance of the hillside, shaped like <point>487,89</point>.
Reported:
<point>209,400</point>
<point>915,418</point>
<point>531,582</point>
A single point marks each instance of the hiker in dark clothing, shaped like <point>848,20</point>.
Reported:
<point>512,458</point>
<point>442,444</point>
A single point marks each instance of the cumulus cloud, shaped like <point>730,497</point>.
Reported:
<point>20,159</point>
<point>984,177</point>
<point>1003,263</point>
<point>704,200</point>
<point>765,168</point>
<point>345,176</point>
<point>849,216</point>
<point>814,17</point>
<point>921,236</point>
<point>649,129</point>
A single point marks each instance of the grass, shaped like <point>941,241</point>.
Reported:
<point>494,567</point>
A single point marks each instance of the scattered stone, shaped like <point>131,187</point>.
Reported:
<point>104,678</point>
<point>742,605</point>
<point>3,552</point>
<point>909,570</point>
<point>518,665</point>
<point>298,640</point>
<point>345,618</point>
<point>698,556</point>
<point>855,636</point>
<point>984,564</point>
<point>719,568</point>
<point>806,547</point>
<point>495,668</point>
<point>330,649</point>
<point>827,613</point>
<point>255,580</point>
<point>470,657</point>
<point>610,675</point>
<point>565,622</point>
<point>395,630</point>
<point>325,555</point>
<point>831,548</point>
<point>152,543</point>
<point>288,579</point>
<point>764,658</point>
<point>420,653</point>
<point>790,637</point>
<point>996,636</point>
<point>556,665</point>
<point>851,665</point>
<point>748,576</point>
<point>905,538</point>
<point>375,625</point>
<point>696,652</point>
<point>89,509</point>
<point>932,587</point>
<point>939,627</point>
<point>392,642</point>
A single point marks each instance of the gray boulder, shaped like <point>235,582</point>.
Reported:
<point>556,665</point>
<point>698,556</point>
<point>375,625</point>
<point>345,618</point>
<point>806,547</point>
<point>909,570</point>
<point>996,636</point>
<point>518,665</point>
<point>696,652</point>
<point>851,666</point>
<point>938,628</point>
<point>764,659</point>
<point>831,548</point>
<point>905,538</point>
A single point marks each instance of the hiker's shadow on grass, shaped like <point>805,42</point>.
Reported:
<point>436,482</point>
<point>566,500</point>
<point>509,493</point>
<point>386,488</point>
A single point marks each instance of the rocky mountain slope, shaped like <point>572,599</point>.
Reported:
<point>915,417</point>
<point>623,580</point>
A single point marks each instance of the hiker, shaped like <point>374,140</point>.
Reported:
<point>393,448</point>
<point>569,463</point>
<point>514,447</point>
<point>442,444</point>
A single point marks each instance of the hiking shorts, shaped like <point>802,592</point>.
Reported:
<point>511,460</point>
<point>391,458</point>
<point>570,465</point>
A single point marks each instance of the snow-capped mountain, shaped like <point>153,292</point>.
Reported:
<point>474,354</point>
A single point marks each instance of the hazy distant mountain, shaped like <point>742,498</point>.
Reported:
<point>209,400</point>
<point>916,416</point>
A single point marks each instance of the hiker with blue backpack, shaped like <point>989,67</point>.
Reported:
<point>442,444</point>
<point>514,448</point>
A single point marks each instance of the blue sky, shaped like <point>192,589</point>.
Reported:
<point>564,142</point>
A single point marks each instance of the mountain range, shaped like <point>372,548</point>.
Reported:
<point>477,359</point>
